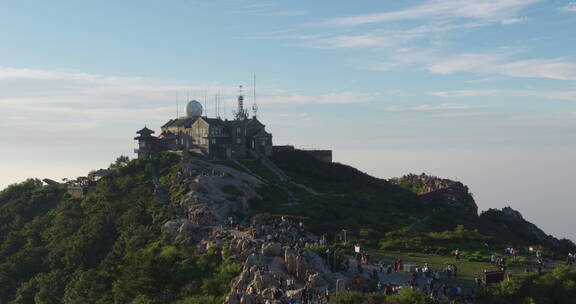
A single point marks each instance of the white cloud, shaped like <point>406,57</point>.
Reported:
<point>357,41</point>
<point>438,107</point>
<point>13,73</point>
<point>330,98</point>
<point>499,64</point>
<point>50,126</point>
<point>270,9</point>
<point>405,57</point>
<point>68,101</point>
<point>569,7</point>
<point>458,114</point>
<point>487,10</point>
<point>558,95</point>
<point>436,17</point>
<point>513,20</point>
<point>290,13</point>
<point>34,99</point>
<point>382,38</point>
<point>289,115</point>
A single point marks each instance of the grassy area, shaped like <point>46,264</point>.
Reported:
<point>261,170</point>
<point>467,270</point>
<point>296,191</point>
<point>230,164</point>
<point>232,190</point>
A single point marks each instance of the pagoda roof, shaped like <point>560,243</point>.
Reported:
<point>145,131</point>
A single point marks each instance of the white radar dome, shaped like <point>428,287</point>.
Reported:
<point>194,108</point>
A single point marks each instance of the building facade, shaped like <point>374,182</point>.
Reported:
<point>240,138</point>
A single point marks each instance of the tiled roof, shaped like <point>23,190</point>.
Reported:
<point>180,122</point>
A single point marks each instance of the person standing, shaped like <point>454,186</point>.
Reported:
<point>457,254</point>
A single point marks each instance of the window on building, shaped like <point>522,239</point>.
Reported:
<point>213,141</point>
<point>238,131</point>
<point>238,140</point>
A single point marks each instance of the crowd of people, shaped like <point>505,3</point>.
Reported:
<point>281,230</point>
<point>422,277</point>
<point>367,274</point>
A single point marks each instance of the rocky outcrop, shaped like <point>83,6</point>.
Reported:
<point>278,265</point>
<point>271,269</point>
<point>515,214</point>
<point>423,183</point>
<point>434,189</point>
<point>213,193</point>
<point>184,230</point>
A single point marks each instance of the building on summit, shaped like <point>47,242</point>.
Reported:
<point>240,138</point>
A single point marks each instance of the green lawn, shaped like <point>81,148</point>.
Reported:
<point>467,270</point>
<point>261,170</point>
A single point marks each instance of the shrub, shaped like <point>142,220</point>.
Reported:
<point>355,297</point>
<point>518,260</point>
<point>558,286</point>
<point>232,190</point>
<point>406,295</point>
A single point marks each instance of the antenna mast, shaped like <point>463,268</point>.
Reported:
<point>255,105</point>
<point>205,97</point>
<point>219,104</point>
<point>241,113</point>
<point>216,105</point>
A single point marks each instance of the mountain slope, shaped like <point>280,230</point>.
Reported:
<point>149,233</point>
<point>422,203</point>
<point>104,248</point>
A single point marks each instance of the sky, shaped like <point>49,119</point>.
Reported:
<point>483,92</point>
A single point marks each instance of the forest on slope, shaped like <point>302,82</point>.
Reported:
<point>104,248</point>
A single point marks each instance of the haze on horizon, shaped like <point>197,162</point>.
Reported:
<point>479,91</point>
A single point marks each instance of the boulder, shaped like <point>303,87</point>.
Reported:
<point>263,281</point>
<point>272,249</point>
<point>316,280</point>
<point>171,227</point>
<point>290,258</point>
<point>278,267</point>
<point>233,298</point>
<point>296,293</point>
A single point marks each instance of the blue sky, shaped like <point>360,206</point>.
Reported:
<point>480,91</point>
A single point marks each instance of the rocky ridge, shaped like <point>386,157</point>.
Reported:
<point>276,263</point>
<point>433,188</point>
